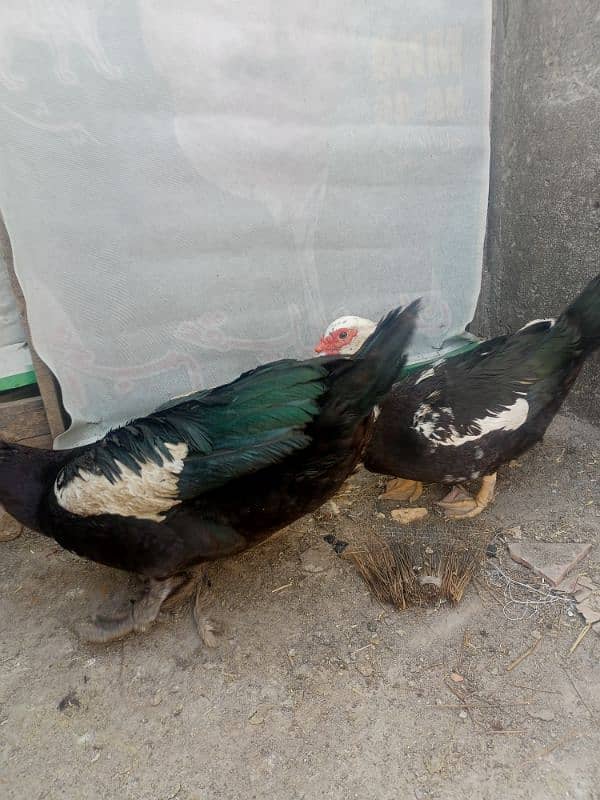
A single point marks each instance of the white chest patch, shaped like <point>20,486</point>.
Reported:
<point>148,495</point>
<point>426,422</point>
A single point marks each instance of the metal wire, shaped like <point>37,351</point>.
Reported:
<point>530,608</point>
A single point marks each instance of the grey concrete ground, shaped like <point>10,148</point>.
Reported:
<point>315,690</point>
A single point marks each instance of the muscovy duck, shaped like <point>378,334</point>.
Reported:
<point>207,475</point>
<point>463,416</point>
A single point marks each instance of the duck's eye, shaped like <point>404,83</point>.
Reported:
<point>344,335</point>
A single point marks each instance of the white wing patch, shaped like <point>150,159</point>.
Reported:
<point>148,495</point>
<point>551,320</point>
<point>429,373</point>
<point>427,423</point>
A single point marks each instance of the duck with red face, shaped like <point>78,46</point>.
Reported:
<point>463,416</point>
<point>345,335</point>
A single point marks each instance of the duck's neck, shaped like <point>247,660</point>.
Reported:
<point>26,474</point>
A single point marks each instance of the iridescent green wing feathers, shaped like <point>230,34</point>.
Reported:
<point>229,431</point>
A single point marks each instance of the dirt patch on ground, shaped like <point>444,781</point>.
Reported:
<point>316,690</point>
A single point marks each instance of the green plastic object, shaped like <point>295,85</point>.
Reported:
<point>17,381</point>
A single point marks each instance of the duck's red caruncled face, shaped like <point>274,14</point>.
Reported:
<point>334,342</point>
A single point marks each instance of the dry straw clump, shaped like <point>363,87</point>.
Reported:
<point>418,568</point>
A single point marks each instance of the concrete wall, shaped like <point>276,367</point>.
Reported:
<point>544,210</point>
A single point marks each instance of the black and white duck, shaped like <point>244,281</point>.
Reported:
<point>461,417</point>
<point>207,475</point>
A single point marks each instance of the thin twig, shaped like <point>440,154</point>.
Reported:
<point>464,703</point>
<point>360,649</point>
<point>578,693</point>
<point>482,705</point>
<point>534,689</point>
<point>508,731</point>
<point>280,588</point>
<point>570,736</point>
<point>461,650</point>
<point>432,666</point>
<point>582,634</point>
<point>523,656</point>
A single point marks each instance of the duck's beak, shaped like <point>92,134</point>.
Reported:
<point>324,345</point>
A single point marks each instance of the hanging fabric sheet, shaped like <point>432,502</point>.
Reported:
<point>193,188</point>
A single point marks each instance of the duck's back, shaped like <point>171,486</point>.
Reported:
<point>464,416</point>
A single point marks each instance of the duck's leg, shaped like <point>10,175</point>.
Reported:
<point>459,504</point>
<point>402,489</point>
<point>137,615</point>
<point>207,628</point>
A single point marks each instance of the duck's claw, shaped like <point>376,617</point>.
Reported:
<point>459,504</point>
<point>106,628</point>
<point>402,489</point>
<point>138,615</point>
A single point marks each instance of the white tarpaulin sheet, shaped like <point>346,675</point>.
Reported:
<point>193,188</point>
<point>14,353</point>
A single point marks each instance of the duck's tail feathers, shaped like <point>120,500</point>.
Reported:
<point>360,385</point>
<point>584,313</point>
